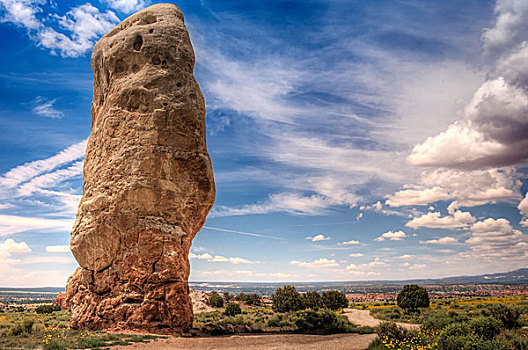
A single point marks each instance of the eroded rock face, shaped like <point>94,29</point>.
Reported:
<point>148,180</point>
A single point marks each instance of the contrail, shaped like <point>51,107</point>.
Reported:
<point>242,233</point>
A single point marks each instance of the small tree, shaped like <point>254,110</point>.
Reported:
<point>233,309</point>
<point>215,300</point>
<point>253,299</point>
<point>287,299</point>
<point>334,300</point>
<point>44,309</point>
<point>313,300</point>
<point>413,297</point>
<point>228,297</point>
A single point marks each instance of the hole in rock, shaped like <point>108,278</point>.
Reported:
<point>138,42</point>
<point>156,60</point>
<point>179,84</point>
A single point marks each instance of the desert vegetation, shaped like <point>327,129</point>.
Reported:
<point>39,328</point>
<point>468,323</point>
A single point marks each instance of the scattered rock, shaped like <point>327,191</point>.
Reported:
<point>148,180</point>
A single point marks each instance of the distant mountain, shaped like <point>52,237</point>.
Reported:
<point>519,276</point>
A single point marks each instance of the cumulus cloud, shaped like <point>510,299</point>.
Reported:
<point>509,28</point>
<point>393,236</point>
<point>468,188</point>
<point>318,238</point>
<point>322,262</point>
<point>417,267</point>
<point>74,34</point>
<point>220,258</point>
<point>127,6</point>
<point>493,125</point>
<point>22,12</point>
<point>496,238</point>
<point>351,242</point>
<point>404,257</point>
<point>10,246</point>
<point>373,264</point>
<point>356,255</point>
<point>458,219</point>
<point>83,25</point>
<point>443,240</point>
<point>523,209</point>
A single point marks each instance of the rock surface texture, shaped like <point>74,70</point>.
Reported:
<point>148,180</point>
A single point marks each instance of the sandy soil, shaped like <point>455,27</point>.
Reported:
<point>261,342</point>
<point>363,318</point>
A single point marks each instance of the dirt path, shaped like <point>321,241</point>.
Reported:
<point>260,342</point>
<point>363,318</point>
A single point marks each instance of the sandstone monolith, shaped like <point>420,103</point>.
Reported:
<point>148,181</point>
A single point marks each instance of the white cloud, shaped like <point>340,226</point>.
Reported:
<point>58,249</point>
<point>37,184</point>
<point>127,6</point>
<point>443,240</point>
<point>468,188</point>
<point>496,238</point>
<point>322,262</point>
<point>417,266</point>
<point>510,26</point>
<point>393,236</point>
<point>45,108</point>
<point>220,258</point>
<point>351,242</point>
<point>459,219</point>
<point>10,224</point>
<point>10,246</point>
<point>291,203</point>
<point>84,24</point>
<point>356,255</point>
<point>26,172</point>
<point>371,265</point>
<point>22,12</point>
<point>404,257</point>
<point>318,238</point>
<point>79,28</point>
<point>417,197</point>
<point>523,209</point>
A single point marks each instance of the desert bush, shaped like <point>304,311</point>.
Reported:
<point>44,309</point>
<point>228,297</point>
<point>55,345</point>
<point>233,309</point>
<point>334,300</point>
<point>486,327</point>
<point>413,297</point>
<point>287,300</point>
<point>215,300</point>
<point>391,330</point>
<point>313,300</point>
<point>322,322</point>
<point>507,314</point>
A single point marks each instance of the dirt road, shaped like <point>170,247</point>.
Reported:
<point>363,318</point>
<point>260,342</point>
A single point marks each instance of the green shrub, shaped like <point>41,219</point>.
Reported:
<point>334,300</point>
<point>508,315</point>
<point>44,309</point>
<point>90,343</point>
<point>313,300</point>
<point>486,327</point>
<point>392,331</point>
<point>55,345</point>
<point>287,300</point>
<point>322,322</point>
<point>233,309</point>
<point>215,300</point>
<point>412,297</point>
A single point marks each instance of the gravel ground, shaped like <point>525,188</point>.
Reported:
<point>260,342</point>
<point>363,318</point>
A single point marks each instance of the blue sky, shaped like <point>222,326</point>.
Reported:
<point>350,140</point>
